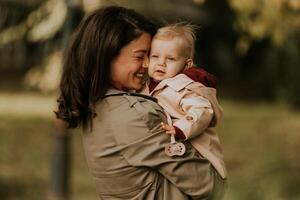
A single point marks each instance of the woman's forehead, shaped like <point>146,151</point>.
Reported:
<point>141,44</point>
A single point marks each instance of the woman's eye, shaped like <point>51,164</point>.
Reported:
<point>154,56</point>
<point>140,57</point>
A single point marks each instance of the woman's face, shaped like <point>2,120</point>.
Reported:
<point>129,68</point>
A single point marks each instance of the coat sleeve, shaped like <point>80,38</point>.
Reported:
<point>142,142</point>
<point>198,115</point>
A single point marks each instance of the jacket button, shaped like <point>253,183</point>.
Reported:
<point>189,118</point>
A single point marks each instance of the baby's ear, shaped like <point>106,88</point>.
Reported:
<point>188,63</point>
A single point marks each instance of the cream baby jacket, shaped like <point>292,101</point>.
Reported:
<point>195,110</point>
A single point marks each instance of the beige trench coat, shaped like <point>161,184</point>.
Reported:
<point>125,154</point>
<point>195,110</point>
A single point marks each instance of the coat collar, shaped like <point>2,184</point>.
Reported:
<point>115,92</point>
<point>112,92</point>
<point>177,82</point>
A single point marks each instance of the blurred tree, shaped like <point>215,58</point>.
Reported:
<point>13,56</point>
<point>269,45</point>
<point>215,41</point>
<point>41,34</point>
<point>252,43</point>
<point>260,19</point>
<point>40,25</point>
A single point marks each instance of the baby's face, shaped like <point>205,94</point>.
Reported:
<point>167,58</point>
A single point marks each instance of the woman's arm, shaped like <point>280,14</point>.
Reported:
<point>142,142</point>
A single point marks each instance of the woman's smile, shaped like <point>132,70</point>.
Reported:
<point>140,74</point>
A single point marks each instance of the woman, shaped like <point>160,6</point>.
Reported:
<point>123,141</point>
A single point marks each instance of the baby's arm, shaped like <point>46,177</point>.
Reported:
<point>169,129</point>
<point>198,115</point>
<point>173,130</point>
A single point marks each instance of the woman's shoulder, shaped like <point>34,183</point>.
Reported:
<point>120,104</point>
<point>135,117</point>
<point>120,98</point>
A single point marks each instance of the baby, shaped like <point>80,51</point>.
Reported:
<point>192,106</point>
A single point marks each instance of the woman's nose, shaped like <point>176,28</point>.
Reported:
<point>145,62</point>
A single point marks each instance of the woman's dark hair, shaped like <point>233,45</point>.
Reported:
<point>86,75</point>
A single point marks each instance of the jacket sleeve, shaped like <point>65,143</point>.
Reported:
<point>198,115</point>
<point>211,95</point>
<point>142,142</point>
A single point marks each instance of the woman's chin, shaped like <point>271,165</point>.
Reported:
<point>137,85</point>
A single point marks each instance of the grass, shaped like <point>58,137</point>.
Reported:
<point>261,150</point>
<point>26,141</point>
<point>261,144</point>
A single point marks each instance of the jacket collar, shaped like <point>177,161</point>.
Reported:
<point>115,92</point>
<point>177,82</point>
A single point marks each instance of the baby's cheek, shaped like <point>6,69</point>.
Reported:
<point>150,71</point>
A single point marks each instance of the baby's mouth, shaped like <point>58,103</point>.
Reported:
<point>160,71</point>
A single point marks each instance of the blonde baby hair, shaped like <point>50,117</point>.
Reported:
<point>182,30</point>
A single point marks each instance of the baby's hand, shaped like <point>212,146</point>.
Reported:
<point>169,129</point>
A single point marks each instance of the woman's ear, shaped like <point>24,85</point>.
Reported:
<point>188,63</point>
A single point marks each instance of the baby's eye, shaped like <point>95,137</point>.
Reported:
<point>154,56</point>
<point>171,58</point>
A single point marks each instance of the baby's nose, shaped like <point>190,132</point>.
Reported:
<point>162,62</point>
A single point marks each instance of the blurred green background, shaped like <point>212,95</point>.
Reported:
<point>253,47</point>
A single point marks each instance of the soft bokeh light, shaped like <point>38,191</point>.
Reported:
<point>261,19</point>
<point>47,76</point>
